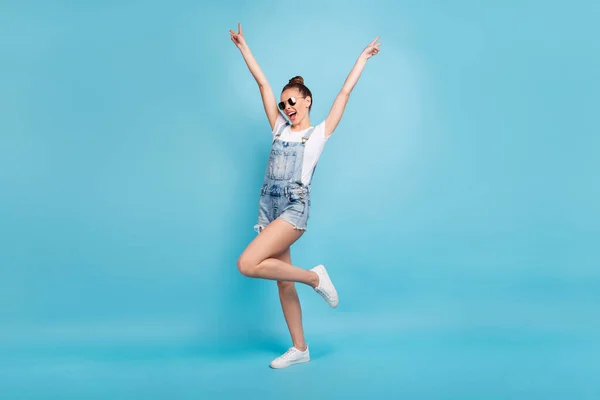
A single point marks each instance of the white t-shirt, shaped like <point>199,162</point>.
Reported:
<point>312,148</point>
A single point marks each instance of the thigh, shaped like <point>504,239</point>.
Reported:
<point>285,256</point>
<point>273,242</point>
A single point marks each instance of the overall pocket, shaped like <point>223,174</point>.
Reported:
<point>297,193</point>
<point>298,198</point>
<point>281,164</point>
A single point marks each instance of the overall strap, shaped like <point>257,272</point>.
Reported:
<point>280,131</point>
<point>307,134</point>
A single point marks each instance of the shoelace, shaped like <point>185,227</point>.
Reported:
<point>288,353</point>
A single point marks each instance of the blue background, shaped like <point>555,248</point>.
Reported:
<point>456,205</point>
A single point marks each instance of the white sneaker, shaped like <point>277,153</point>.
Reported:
<point>291,357</point>
<point>325,288</point>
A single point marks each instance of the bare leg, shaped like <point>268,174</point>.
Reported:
<point>290,303</point>
<point>258,261</point>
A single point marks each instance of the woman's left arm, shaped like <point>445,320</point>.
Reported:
<point>339,105</point>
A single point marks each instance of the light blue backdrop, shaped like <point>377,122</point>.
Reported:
<point>456,206</point>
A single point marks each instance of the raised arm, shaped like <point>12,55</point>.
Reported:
<point>339,105</point>
<point>266,92</point>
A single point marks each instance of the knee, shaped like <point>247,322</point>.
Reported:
<point>246,266</point>
<point>285,286</point>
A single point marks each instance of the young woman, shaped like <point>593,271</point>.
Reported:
<point>285,194</point>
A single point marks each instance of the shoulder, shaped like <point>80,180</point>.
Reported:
<point>319,132</point>
<point>279,123</point>
<point>317,138</point>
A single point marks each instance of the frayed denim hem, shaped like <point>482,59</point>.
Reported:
<point>296,227</point>
<point>258,228</point>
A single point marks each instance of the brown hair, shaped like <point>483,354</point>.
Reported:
<point>297,82</point>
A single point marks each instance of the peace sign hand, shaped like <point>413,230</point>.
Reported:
<point>372,49</point>
<point>238,38</point>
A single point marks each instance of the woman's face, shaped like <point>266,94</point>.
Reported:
<point>294,105</point>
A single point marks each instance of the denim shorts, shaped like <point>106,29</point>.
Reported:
<point>290,203</point>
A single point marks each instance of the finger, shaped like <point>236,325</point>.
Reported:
<point>374,41</point>
<point>239,28</point>
<point>232,33</point>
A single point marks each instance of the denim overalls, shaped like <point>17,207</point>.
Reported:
<point>283,195</point>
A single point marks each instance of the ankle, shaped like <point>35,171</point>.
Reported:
<point>301,347</point>
<point>314,282</point>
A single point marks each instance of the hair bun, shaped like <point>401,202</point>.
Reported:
<point>297,79</point>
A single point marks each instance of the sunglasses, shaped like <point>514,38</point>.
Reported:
<point>291,101</point>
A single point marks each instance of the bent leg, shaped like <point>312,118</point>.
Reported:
<point>258,260</point>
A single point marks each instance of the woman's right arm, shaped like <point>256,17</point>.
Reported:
<point>266,92</point>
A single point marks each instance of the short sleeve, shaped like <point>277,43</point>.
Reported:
<point>318,136</point>
<point>278,124</point>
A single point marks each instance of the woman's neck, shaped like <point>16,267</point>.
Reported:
<point>302,125</point>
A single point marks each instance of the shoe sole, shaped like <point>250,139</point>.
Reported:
<point>290,364</point>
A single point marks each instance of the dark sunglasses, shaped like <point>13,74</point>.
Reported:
<point>291,101</point>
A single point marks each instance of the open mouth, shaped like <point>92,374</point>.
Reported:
<point>292,115</point>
